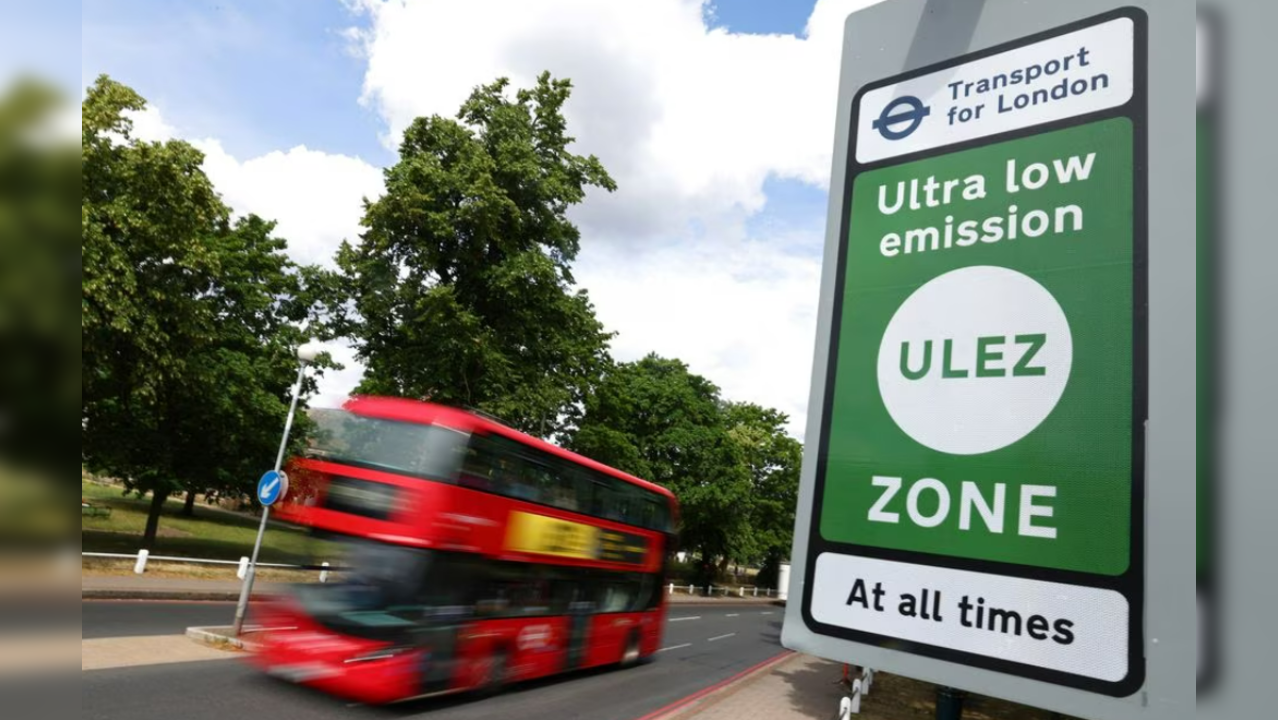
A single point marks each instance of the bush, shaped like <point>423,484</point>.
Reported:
<point>681,573</point>
<point>768,573</point>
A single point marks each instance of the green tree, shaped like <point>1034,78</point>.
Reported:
<point>461,282</point>
<point>774,460</point>
<point>189,320</point>
<point>655,419</point>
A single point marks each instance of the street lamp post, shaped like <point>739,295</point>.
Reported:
<point>306,354</point>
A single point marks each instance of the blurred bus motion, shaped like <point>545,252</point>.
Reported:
<point>475,556</point>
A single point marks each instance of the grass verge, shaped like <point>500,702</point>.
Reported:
<point>212,533</point>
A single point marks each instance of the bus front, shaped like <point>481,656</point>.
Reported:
<point>373,490</point>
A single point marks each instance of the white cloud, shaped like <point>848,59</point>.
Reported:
<point>690,121</point>
<point>149,125</point>
<point>316,197</point>
<point>335,385</point>
<point>744,320</point>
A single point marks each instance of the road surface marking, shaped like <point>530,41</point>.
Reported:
<point>766,613</point>
<point>688,617</point>
<point>675,647</point>
<point>720,637</point>
<point>732,615</point>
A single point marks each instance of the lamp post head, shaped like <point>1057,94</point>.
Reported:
<point>307,353</point>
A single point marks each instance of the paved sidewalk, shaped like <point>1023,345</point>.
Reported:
<point>799,687</point>
<point>106,653</point>
<point>151,587</point>
<point>803,687</point>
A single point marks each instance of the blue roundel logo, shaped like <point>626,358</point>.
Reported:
<point>901,117</point>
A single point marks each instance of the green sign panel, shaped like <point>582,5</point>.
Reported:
<point>980,478</point>
<point>986,344</point>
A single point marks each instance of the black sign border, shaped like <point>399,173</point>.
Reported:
<point>1131,584</point>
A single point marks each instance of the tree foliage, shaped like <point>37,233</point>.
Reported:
<point>731,465</point>
<point>461,283</point>
<point>774,460</point>
<point>460,290</point>
<point>189,319</point>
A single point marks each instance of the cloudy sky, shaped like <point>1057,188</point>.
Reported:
<point>715,119</point>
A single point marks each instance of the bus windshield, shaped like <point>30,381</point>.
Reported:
<point>385,590</point>
<point>426,451</point>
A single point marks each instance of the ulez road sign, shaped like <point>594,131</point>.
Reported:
<point>976,493</point>
<point>985,399</point>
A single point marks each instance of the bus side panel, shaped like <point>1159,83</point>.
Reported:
<point>540,646</point>
<point>608,635</point>
<point>653,629</point>
<point>534,647</point>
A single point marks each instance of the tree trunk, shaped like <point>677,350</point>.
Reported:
<point>188,509</point>
<point>153,518</point>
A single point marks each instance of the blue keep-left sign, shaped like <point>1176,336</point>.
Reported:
<point>272,487</point>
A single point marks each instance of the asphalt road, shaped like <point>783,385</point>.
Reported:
<point>704,645</point>
<point>136,618</point>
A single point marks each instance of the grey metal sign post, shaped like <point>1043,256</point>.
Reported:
<point>272,486</point>
<point>998,488</point>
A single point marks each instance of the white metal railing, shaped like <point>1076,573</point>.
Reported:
<point>142,557</point>
<point>725,591</point>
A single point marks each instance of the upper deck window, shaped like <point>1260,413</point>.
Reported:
<point>427,451</point>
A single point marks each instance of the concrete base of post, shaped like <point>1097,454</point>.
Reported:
<point>221,638</point>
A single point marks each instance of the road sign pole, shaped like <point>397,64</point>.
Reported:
<point>247,588</point>
<point>949,703</point>
<point>288,423</point>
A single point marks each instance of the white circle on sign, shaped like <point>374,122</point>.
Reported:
<point>987,357</point>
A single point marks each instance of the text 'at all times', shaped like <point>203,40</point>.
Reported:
<point>973,612</point>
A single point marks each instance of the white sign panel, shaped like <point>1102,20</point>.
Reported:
<point>1062,77</point>
<point>1070,628</point>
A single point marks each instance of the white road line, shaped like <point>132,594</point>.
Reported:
<point>732,615</point>
<point>688,617</point>
<point>766,613</point>
<point>720,637</point>
<point>675,647</point>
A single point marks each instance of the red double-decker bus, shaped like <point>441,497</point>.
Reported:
<point>474,556</point>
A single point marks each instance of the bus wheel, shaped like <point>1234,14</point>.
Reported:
<point>630,656</point>
<point>497,674</point>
